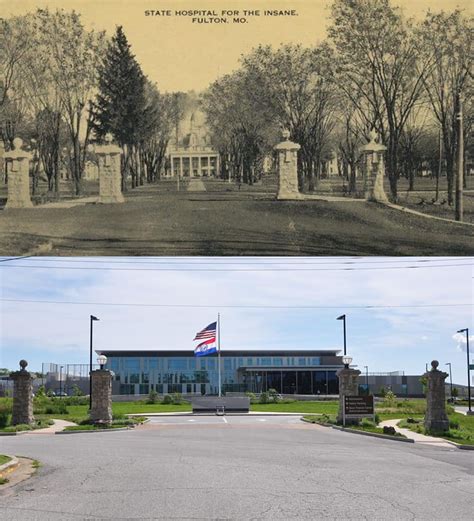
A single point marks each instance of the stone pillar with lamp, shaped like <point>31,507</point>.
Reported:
<point>348,386</point>
<point>22,395</point>
<point>373,153</point>
<point>110,177</point>
<point>101,410</point>
<point>18,172</point>
<point>288,168</point>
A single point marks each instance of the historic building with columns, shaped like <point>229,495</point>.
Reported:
<point>190,151</point>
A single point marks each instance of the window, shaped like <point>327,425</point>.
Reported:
<point>301,361</point>
<point>316,360</point>
<point>176,364</point>
<point>278,362</point>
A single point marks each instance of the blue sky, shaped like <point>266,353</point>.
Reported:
<point>293,303</point>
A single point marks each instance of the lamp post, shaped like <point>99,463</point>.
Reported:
<point>61,380</point>
<point>343,318</point>
<point>466,330</point>
<point>367,378</point>
<point>450,381</point>
<point>92,320</point>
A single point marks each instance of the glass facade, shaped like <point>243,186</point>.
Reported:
<point>181,372</point>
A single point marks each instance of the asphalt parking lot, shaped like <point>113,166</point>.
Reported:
<point>236,468</point>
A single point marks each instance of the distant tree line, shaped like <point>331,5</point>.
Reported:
<point>63,87</point>
<point>377,69</point>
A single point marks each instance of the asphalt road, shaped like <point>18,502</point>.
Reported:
<point>241,468</point>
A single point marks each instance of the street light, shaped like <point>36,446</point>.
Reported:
<point>466,330</point>
<point>450,381</point>
<point>101,360</point>
<point>343,318</point>
<point>92,320</point>
<point>346,360</point>
<point>61,380</point>
<point>367,378</point>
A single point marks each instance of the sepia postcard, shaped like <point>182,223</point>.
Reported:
<point>231,127</point>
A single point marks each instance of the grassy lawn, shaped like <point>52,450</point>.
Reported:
<point>4,459</point>
<point>168,226</point>
<point>461,429</point>
<point>329,407</point>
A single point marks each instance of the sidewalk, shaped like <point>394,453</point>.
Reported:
<point>418,438</point>
<point>58,426</point>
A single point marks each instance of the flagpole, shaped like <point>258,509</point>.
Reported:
<point>219,350</point>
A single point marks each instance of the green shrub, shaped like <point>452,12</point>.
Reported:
<point>377,418</point>
<point>167,399</point>
<point>453,424</point>
<point>273,395</point>
<point>56,408</point>
<point>4,419</point>
<point>177,398</point>
<point>252,396</point>
<point>75,400</point>
<point>389,400</point>
<point>41,392</point>
<point>76,391</point>
<point>367,423</point>
<point>18,428</point>
<point>264,397</point>
<point>152,397</point>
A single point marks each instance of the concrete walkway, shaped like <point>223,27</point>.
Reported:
<point>418,438</point>
<point>70,203</point>
<point>58,426</point>
<point>196,185</point>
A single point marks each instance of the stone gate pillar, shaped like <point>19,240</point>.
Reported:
<point>374,169</point>
<point>436,418</point>
<point>101,411</point>
<point>348,386</point>
<point>18,172</point>
<point>110,177</point>
<point>288,168</point>
<point>22,395</point>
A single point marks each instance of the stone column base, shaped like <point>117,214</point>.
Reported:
<point>111,199</point>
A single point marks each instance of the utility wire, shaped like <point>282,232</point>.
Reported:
<point>197,262</point>
<point>237,269</point>
<point>238,306</point>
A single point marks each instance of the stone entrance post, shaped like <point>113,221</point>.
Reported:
<point>374,169</point>
<point>101,411</point>
<point>110,178</point>
<point>18,171</point>
<point>288,168</point>
<point>22,395</point>
<point>436,418</point>
<point>348,386</point>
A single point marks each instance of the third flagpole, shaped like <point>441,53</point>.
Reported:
<point>219,351</point>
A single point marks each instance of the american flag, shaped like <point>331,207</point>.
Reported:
<point>207,332</point>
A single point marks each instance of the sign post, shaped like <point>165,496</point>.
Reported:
<point>357,407</point>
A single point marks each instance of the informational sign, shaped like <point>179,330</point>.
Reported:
<point>471,367</point>
<point>356,407</point>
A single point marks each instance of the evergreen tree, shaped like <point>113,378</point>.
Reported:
<point>120,105</point>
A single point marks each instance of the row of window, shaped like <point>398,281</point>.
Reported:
<point>285,382</point>
<point>139,364</point>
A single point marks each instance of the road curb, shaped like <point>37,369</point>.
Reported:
<point>78,431</point>
<point>363,433</point>
<point>9,466</point>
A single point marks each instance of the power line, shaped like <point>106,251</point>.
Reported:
<point>236,269</point>
<point>224,262</point>
<point>237,306</point>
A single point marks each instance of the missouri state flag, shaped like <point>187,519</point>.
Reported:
<point>208,346</point>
